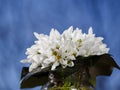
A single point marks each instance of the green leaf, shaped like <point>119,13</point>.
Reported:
<point>35,78</point>
<point>103,66</point>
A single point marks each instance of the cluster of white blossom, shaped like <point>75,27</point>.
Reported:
<point>62,49</point>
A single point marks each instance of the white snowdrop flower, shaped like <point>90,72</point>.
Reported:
<point>62,49</point>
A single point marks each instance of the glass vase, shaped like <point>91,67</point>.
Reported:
<point>80,80</point>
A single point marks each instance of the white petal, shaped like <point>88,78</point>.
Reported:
<point>90,31</point>
<point>70,28</point>
<point>36,58</point>
<point>33,66</point>
<point>36,35</point>
<point>25,61</point>
<point>55,64</point>
<point>71,64</point>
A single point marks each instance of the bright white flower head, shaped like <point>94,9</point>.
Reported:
<point>62,49</point>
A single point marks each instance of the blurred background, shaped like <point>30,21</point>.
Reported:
<point>20,18</point>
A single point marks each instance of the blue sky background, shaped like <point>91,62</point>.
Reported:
<point>20,18</point>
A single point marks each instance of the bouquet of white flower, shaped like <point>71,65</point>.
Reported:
<point>60,57</point>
